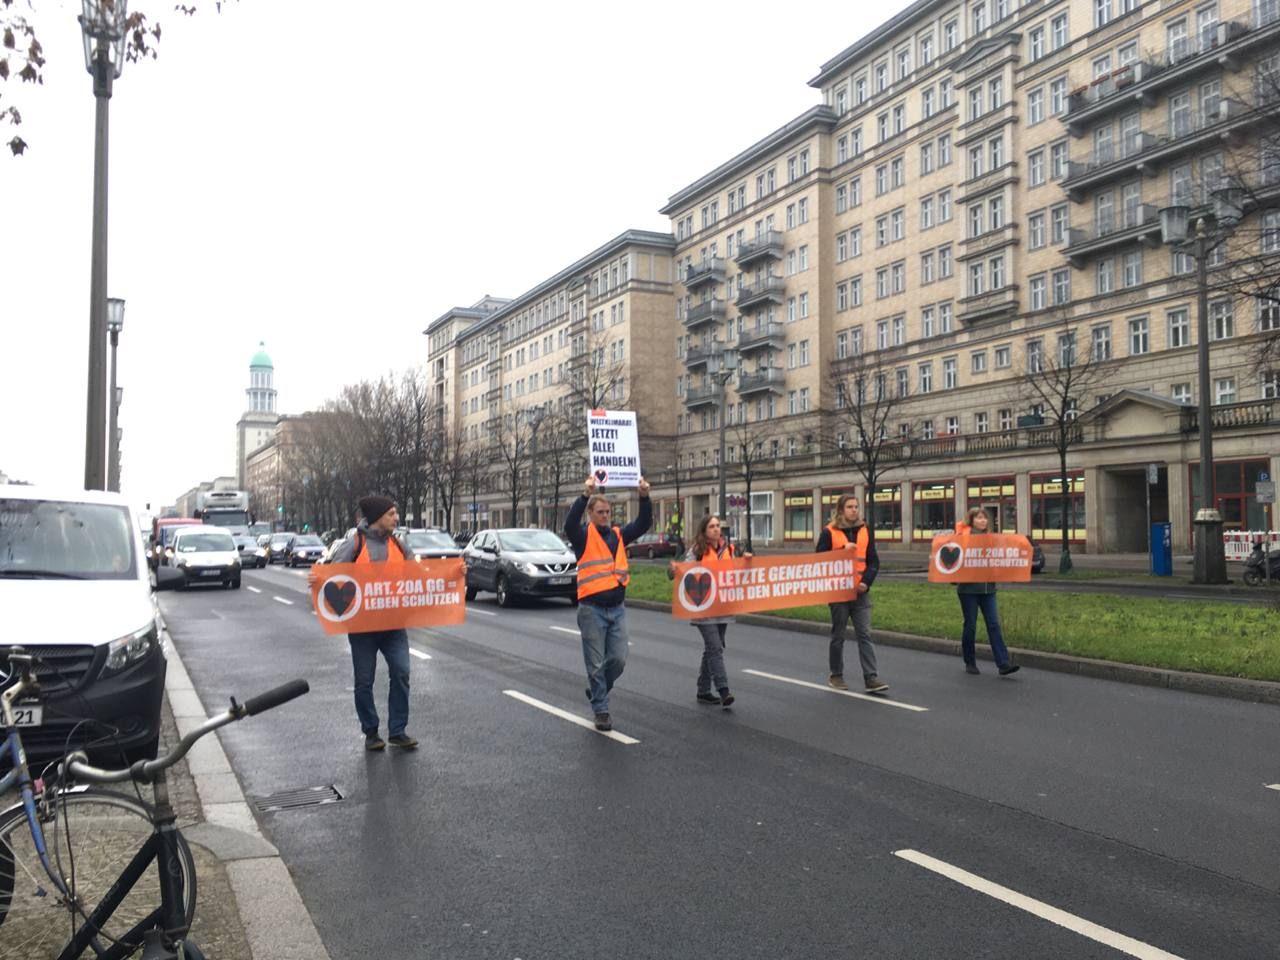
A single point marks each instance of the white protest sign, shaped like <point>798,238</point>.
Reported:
<point>614,447</point>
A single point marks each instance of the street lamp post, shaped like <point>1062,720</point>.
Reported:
<point>536,416</point>
<point>722,364</point>
<point>103,26</point>
<point>675,469</point>
<point>1210,563</point>
<point>115,323</point>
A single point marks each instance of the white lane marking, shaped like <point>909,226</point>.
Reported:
<point>1273,786</point>
<point>255,589</point>
<point>566,630</point>
<point>883,701</point>
<point>287,603</point>
<point>419,654</point>
<point>566,715</point>
<point>483,613</point>
<point>1086,928</point>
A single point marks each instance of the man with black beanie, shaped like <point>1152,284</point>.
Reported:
<point>374,542</point>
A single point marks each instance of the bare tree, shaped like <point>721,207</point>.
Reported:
<point>752,448</point>
<point>868,429</point>
<point>475,474</point>
<point>1055,383</point>
<point>561,460</point>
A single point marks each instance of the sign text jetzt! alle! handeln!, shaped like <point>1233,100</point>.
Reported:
<point>613,446</point>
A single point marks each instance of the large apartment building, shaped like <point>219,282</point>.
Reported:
<point>598,332</point>
<point>975,201</point>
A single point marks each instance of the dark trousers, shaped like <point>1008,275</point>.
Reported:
<point>970,604</point>
<point>394,647</point>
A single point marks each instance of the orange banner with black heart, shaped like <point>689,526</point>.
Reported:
<point>752,584</point>
<point>979,558</point>
<point>364,597</point>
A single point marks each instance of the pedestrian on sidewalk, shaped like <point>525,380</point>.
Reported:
<point>601,549</point>
<point>847,531</point>
<point>981,596</point>
<point>712,550</point>
<point>375,542</point>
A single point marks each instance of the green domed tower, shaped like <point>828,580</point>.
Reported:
<point>257,425</point>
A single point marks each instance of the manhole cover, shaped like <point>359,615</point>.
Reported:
<point>303,797</point>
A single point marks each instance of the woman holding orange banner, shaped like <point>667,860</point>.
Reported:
<point>981,596</point>
<point>711,549</point>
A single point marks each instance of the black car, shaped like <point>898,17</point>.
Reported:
<point>528,563</point>
<point>428,544</point>
<point>277,545</point>
<point>1037,557</point>
<point>303,548</point>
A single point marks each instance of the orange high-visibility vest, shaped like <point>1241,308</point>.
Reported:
<point>598,570</point>
<point>838,540</point>
<point>362,551</point>
<point>714,559</point>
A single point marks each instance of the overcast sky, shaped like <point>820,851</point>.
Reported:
<point>329,177</point>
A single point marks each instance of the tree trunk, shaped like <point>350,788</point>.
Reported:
<point>1064,562</point>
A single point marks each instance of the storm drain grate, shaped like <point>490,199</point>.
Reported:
<point>292,799</point>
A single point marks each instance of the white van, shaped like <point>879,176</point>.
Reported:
<point>206,554</point>
<point>76,592</point>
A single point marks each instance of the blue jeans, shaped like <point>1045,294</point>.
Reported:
<point>394,646</point>
<point>712,669</point>
<point>604,649</point>
<point>971,603</point>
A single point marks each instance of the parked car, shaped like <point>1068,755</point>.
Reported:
<point>75,589</point>
<point>207,555</point>
<point>514,563</point>
<point>330,550</point>
<point>277,545</point>
<point>303,548</point>
<point>654,545</point>
<point>1037,557</point>
<point>463,537</point>
<point>428,544</point>
<point>251,553</point>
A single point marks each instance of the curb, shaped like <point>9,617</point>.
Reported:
<point>1235,688</point>
<point>276,921</point>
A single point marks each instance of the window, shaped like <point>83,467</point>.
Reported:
<point>1179,328</point>
<point>804,257</point>
<point>855,242</point>
<point>926,429</point>
<point>881,73</point>
<point>944,206</point>
<point>842,297</point>
<point>1038,288</point>
<point>978,361</point>
<point>944,261</point>
<point>1269,384</point>
<point>977,279</point>
<point>842,100</point>
<point>1035,106</point>
<point>976,157</point>
<point>860,90</point>
<point>842,345</point>
<point>1059,220</point>
<point>1139,337</point>
<point>1221,321</point>
<point>855,192</point>
<point>882,231</point>
<point>995,93</point>
<point>1035,356</point>
<point>926,49</point>
<point>899,118</point>
<point>882,179</point>
<point>882,127</point>
<point>1058,96</point>
<point>975,220</point>
<point>1100,343</point>
<point>804,306</point>
<point>1058,31</point>
<point>995,213</point>
<point>1133,268</point>
<point>950,35</point>
<point>1180,392</point>
<point>1035,168</point>
<point>953,426</point>
<point>898,273</point>
<point>1061,286</point>
<point>944,150</point>
<point>996,268</point>
<point>1036,231</point>
<point>1003,357</point>
<point>899,331</point>
<point>995,149</point>
<point>926,158</point>
<point>1058,160</point>
<point>1268,316</point>
<point>926,213</point>
<point>925,377</point>
<point>975,103</point>
<point>946,92</point>
<point>1035,43</point>
<point>927,102</point>
<point>979,14</point>
<point>898,171</point>
<point>1105,274</point>
<point>981,422</point>
<point>1224,390</point>
<point>926,268</point>
<point>882,283</point>
<point>926,322</point>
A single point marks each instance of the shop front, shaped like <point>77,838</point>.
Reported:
<point>998,497</point>
<point>933,509</point>
<point>886,502</point>
<point>1047,506</point>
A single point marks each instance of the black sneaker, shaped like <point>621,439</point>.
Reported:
<point>708,698</point>
<point>403,741</point>
<point>971,668</point>
<point>373,742</point>
<point>726,698</point>
<point>1009,668</point>
<point>603,722</point>
<point>587,692</point>
<point>875,685</point>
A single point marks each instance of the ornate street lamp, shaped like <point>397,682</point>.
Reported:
<point>115,323</point>
<point>722,364</point>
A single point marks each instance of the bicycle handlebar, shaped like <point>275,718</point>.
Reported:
<point>145,771</point>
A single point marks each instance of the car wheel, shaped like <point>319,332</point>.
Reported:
<point>649,553</point>
<point>500,588</point>
<point>1251,578</point>
<point>235,584</point>
<point>471,593</point>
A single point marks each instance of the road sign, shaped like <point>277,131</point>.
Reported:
<point>1264,476</point>
<point>1153,473</point>
<point>1266,491</point>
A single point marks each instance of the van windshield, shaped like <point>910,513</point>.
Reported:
<point>205,542</point>
<point>50,539</point>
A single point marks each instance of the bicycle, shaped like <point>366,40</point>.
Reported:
<point>109,857</point>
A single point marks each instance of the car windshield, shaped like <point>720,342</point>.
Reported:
<point>47,539</point>
<point>521,540</point>
<point>308,542</point>
<point>280,540</point>
<point>205,542</point>
<point>429,540</point>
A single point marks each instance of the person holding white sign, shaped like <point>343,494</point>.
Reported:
<point>603,575</point>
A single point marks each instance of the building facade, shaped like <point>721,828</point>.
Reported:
<point>258,423</point>
<point>973,207</point>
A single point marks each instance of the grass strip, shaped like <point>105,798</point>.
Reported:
<point>1227,640</point>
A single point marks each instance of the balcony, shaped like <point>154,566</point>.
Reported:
<point>767,244</point>
<point>1225,44</point>
<point>769,378</point>
<point>1251,413</point>
<point>768,289</point>
<point>698,356</point>
<point>708,271</point>
<point>1148,152</point>
<point>1134,223</point>
<point>765,335</point>
<point>994,305</point>
<point>703,396</point>
<point>706,312</point>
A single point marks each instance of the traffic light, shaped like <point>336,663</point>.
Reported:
<point>306,528</point>
<point>279,508</point>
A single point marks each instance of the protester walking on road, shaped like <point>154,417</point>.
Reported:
<point>712,550</point>
<point>981,596</point>
<point>374,542</point>
<point>603,575</point>
<point>846,531</point>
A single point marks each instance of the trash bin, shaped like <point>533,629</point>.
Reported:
<point>1162,549</point>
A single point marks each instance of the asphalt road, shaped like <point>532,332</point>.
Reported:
<point>1041,816</point>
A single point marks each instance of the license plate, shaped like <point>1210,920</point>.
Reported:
<point>210,573</point>
<point>28,714</point>
<point>560,581</point>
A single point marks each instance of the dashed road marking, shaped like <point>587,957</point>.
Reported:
<point>255,589</point>
<point>287,603</point>
<point>419,654</point>
<point>483,613</point>
<point>1086,928</point>
<point>565,630</point>
<point>883,701</point>
<point>1273,786</point>
<point>566,715</point>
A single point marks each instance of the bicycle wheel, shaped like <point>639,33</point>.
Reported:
<point>91,840</point>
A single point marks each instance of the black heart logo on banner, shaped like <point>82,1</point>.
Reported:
<point>602,475</point>
<point>950,557</point>
<point>697,587</point>
<point>339,596</point>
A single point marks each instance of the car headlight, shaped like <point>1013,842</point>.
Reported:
<point>524,567</point>
<point>130,648</point>
<point>169,553</point>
